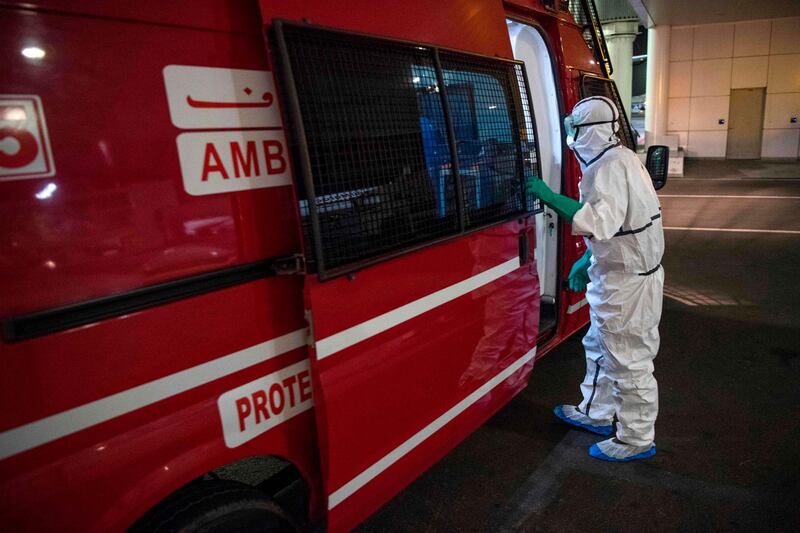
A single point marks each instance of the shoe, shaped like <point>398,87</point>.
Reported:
<point>619,452</point>
<point>573,417</point>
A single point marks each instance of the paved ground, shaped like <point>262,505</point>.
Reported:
<point>729,373</point>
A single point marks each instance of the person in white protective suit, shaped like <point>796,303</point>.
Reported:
<point>620,218</point>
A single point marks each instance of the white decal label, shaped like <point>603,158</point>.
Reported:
<point>213,162</point>
<point>258,406</point>
<point>227,161</point>
<point>211,98</point>
<point>24,143</point>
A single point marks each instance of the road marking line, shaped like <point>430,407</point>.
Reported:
<point>737,230</point>
<point>728,196</point>
<point>355,334</point>
<point>735,179</point>
<point>684,301</point>
<point>349,488</point>
<point>542,488</point>
<point>23,438</point>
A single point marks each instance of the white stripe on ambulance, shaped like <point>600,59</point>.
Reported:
<point>380,466</point>
<point>42,431</point>
<point>250,410</point>
<point>344,339</point>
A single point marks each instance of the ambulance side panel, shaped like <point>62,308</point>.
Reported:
<point>121,217</point>
<point>393,400</point>
<point>103,419</point>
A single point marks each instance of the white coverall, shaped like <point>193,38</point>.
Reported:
<point>621,222</point>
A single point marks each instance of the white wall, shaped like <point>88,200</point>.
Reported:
<point>707,61</point>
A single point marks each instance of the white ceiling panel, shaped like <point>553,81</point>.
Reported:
<point>688,12</point>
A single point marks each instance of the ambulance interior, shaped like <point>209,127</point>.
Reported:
<point>529,46</point>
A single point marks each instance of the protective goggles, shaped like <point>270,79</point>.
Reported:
<point>571,128</point>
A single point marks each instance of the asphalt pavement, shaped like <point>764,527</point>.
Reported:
<point>728,432</point>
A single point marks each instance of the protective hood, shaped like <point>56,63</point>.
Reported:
<point>593,124</point>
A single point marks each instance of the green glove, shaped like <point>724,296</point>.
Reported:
<point>579,273</point>
<point>565,206</point>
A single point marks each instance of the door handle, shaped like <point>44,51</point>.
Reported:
<point>526,235</point>
<point>524,247</point>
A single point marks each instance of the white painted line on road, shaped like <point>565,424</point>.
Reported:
<point>735,179</point>
<point>737,230</point>
<point>684,301</point>
<point>728,196</point>
<point>544,486</point>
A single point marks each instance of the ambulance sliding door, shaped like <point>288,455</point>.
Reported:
<point>422,290</point>
<point>531,47</point>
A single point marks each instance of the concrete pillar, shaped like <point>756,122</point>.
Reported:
<point>619,39</point>
<point>656,103</point>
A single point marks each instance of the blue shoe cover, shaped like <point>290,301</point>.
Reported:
<point>618,452</point>
<point>573,417</point>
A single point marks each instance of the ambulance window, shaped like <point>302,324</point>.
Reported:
<point>597,86</point>
<point>492,128</point>
<point>374,137</point>
<point>372,145</point>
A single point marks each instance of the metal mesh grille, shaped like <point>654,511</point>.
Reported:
<point>594,86</point>
<point>488,120</point>
<point>360,105</point>
<point>576,8</point>
<point>585,14</point>
<point>381,171</point>
<point>601,38</point>
<point>530,159</point>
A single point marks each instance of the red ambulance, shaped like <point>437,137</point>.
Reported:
<point>258,249</point>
